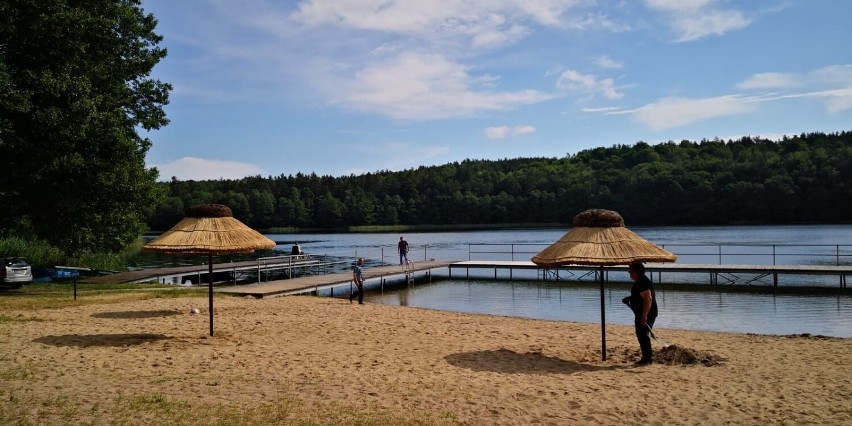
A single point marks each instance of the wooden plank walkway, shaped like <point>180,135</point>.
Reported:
<point>311,283</point>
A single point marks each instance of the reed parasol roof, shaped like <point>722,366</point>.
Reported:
<point>209,228</point>
<point>599,237</point>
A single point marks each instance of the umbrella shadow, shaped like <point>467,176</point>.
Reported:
<point>511,362</point>
<point>100,340</point>
<point>136,314</point>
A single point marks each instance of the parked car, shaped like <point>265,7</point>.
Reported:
<point>15,271</point>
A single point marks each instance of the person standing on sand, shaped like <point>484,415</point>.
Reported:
<point>358,277</point>
<point>643,302</point>
<point>402,247</point>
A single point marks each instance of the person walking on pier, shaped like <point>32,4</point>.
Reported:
<point>358,277</point>
<point>643,302</point>
<point>402,247</point>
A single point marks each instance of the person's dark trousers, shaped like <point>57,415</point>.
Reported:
<point>644,337</point>
<point>359,293</point>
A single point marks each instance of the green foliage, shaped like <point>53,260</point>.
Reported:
<point>41,254</point>
<point>37,252</point>
<point>74,89</point>
<point>805,178</point>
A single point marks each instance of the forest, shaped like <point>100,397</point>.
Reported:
<point>798,179</point>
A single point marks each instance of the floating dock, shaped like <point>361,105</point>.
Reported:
<point>305,274</point>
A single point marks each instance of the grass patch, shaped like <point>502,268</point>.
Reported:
<point>23,408</point>
<point>5,319</point>
<point>52,295</point>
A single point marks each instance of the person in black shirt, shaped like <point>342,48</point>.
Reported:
<point>643,302</point>
<point>402,247</point>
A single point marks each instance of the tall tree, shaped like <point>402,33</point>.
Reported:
<point>75,89</point>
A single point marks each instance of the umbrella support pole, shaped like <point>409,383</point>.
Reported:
<point>603,318</point>
<point>210,289</point>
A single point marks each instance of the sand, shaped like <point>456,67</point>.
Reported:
<point>323,360</point>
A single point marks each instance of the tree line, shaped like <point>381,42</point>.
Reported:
<point>799,179</point>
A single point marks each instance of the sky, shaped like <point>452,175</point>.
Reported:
<point>346,87</point>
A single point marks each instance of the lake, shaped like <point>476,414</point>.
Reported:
<point>761,313</point>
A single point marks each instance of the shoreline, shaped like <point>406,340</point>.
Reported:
<point>316,360</point>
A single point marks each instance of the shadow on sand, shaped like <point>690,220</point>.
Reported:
<point>136,314</point>
<point>100,340</point>
<point>507,361</point>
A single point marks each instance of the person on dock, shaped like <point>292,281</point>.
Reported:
<point>358,278</point>
<point>402,247</point>
<point>643,302</point>
<point>297,249</point>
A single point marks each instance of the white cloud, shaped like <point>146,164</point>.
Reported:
<point>192,168</point>
<point>602,109</point>
<point>503,132</point>
<point>429,86</point>
<point>829,76</point>
<point>678,5</point>
<point>571,80</point>
<point>839,74</point>
<point>694,27</point>
<point>768,80</point>
<point>696,19</point>
<point>607,62</point>
<point>836,100</point>
<point>523,130</point>
<point>675,112</point>
<point>482,23</point>
<point>497,132</point>
<point>832,84</point>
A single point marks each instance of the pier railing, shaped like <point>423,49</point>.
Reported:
<point>720,254</point>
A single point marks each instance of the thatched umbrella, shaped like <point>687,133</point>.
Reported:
<point>600,238</point>
<point>209,229</point>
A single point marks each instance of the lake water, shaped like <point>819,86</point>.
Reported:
<point>762,313</point>
<point>829,315</point>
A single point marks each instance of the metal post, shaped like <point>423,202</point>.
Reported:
<point>603,320</point>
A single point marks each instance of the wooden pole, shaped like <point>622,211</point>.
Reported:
<point>210,289</point>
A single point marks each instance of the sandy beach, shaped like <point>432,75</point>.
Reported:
<point>310,360</point>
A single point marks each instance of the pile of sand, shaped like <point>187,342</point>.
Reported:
<point>676,355</point>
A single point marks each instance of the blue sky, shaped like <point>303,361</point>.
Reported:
<point>339,87</point>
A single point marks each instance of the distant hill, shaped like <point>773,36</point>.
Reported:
<point>800,179</point>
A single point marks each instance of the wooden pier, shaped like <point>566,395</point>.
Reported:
<point>291,266</point>
<point>717,274</point>
<point>309,275</point>
<point>343,280</point>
